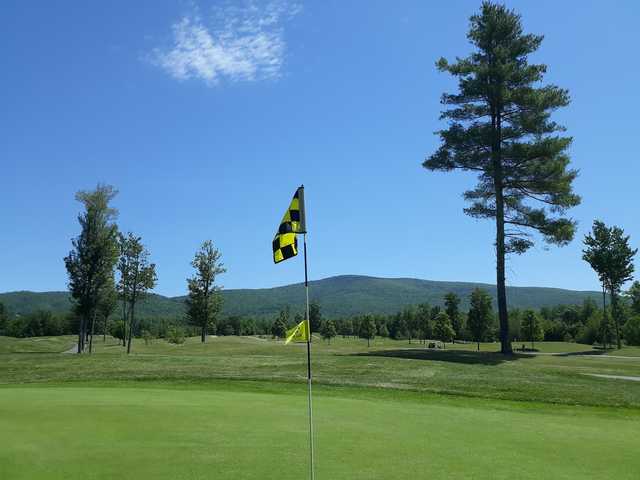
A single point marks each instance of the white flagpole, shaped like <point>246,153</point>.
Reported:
<point>306,287</point>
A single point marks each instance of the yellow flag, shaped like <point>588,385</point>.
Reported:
<point>299,333</point>
<point>285,244</point>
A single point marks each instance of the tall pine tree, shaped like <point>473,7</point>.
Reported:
<point>500,127</point>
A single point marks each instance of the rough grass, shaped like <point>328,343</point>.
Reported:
<point>37,344</point>
<point>346,362</point>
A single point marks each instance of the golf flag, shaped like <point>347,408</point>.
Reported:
<point>299,333</point>
<point>285,243</point>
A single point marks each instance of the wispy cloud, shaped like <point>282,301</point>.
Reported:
<point>235,44</point>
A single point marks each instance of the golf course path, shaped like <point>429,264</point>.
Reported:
<point>578,354</point>
<point>616,377</point>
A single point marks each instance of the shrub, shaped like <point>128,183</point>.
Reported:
<point>590,332</point>
<point>148,338</point>
<point>116,329</point>
<point>631,330</point>
<point>175,334</point>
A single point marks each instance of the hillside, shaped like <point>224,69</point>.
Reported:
<point>339,296</point>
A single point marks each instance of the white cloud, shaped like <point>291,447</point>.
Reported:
<point>237,44</point>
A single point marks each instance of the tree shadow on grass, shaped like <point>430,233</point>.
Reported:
<point>452,356</point>
<point>584,353</point>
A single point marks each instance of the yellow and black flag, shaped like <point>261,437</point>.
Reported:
<point>285,243</point>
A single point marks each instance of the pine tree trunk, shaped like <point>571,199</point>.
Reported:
<point>503,314</point>
<point>203,334</point>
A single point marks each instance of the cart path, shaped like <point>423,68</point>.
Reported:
<point>615,377</point>
<point>578,354</point>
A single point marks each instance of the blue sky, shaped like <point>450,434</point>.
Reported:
<point>207,115</point>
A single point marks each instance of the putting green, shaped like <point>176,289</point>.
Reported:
<point>233,432</point>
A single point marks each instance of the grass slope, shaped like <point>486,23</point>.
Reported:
<point>228,432</point>
<point>339,296</point>
<point>236,408</point>
<point>347,363</point>
<point>37,344</point>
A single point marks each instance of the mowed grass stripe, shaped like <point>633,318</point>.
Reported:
<point>137,433</point>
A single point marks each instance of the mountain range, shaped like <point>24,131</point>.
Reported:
<point>339,296</point>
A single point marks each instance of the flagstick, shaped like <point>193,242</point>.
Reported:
<point>306,287</point>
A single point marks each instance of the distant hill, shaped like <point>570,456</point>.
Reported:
<point>343,295</point>
<point>25,302</point>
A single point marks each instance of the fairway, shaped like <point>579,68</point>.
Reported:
<point>252,431</point>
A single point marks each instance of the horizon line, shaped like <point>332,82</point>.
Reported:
<point>333,277</point>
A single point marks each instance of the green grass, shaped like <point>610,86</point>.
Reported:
<point>236,408</point>
<point>626,352</point>
<point>37,344</point>
<point>543,347</point>
<point>231,431</point>
<point>346,362</point>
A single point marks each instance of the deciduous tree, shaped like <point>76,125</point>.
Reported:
<point>346,327</point>
<point>452,307</point>
<point>632,330</point>
<point>107,305</point>
<point>4,319</point>
<point>91,262</point>
<point>480,315</point>
<point>608,252</point>
<point>531,327</point>
<point>634,296</point>
<point>442,328</point>
<point>279,327</point>
<point>315,316</point>
<point>204,301</point>
<point>140,277</point>
<point>328,330</point>
<point>423,314</point>
<point>367,329</point>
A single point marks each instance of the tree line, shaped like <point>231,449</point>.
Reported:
<point>588,323</point>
